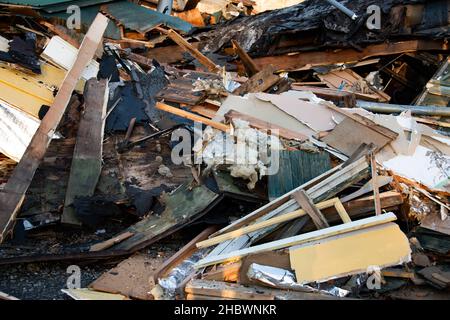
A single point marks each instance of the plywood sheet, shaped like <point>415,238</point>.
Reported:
<point>350,253</point>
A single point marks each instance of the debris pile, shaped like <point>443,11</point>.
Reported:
<point>296,153</point>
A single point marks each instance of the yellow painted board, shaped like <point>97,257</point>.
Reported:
<point>87,294</point>
<point>29,92</point>
<point>350,253</point>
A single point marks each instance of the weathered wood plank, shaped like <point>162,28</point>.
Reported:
<point>12,196</point>
<point>87,156</point>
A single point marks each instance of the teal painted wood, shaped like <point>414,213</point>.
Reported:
<point>297,168</point>
<point>138,18</point>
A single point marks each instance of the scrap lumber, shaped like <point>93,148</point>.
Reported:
<point>227,273</point>
<point>349,80</point>
<point>297,240</point>
<point>325,189</point>
<point>12,196</point>
<point>368,187</point>
<point>191,116</point>
<point>274,221</point>
<point>260,82</point>
<point>181,255</point>
<point>111,242</point>
<point>319,261</point>
<point>87,156</point>
<point>91,295</point>
<point>322,58</point>
<point>226,290</point>
<point>249,65</point>
<point>375,187</point>
<point>280,201</point>
<point>308,206</point>
<point>205,61</point>
<point>344,99</point>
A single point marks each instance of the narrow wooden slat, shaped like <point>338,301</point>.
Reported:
<point>12,196</point>
<point>306,203</point>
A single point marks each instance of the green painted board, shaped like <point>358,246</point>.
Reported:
<point>295,169</point>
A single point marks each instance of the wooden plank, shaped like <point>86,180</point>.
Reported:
<point>260,82</point>
<point>181,254</point>
<point>110,242</point>
<point>13,194</point>
<point>226,290</point>
<point>274,204</point>
<point>364,121</point>
<point>211,66</point>
<point>91,295</point>
<point>313,212</point>
<point>87,156</point>
<point>247,61</point>
<point>349,80</point>
<point>342,212</point>
<point>191,116</point>
<point>375,187</point>
<point>297,240</point>
<point>319,261</point>
<point>322,58</point>
<point>275,221</point>
<point>348,135</point>
<point>227,273</point>
<point>344,99</point>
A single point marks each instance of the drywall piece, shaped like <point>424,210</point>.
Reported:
<point>350,253</point>
<point>16,131</point>
<point>87,156</point>
<point>4,44</point>
<point>424,166</point>
<point>13,194</point>
<point>63,55</point>
<point>297,240</point>
<point>265,111</point>
<point>86,294</point>
<point>303,108</point>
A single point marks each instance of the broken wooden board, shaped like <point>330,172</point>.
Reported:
<point>183,206</point>
<point>210,65</point>
<point>86,294</point>
<point>247,61</point>
<point>308,206</point>
<point>129,278</point>
<point>227,273</point>
<point>260,82</point>
<point>181,255</point>
<point>343,99</point>
<point>12,196</point>
<point>330,258</point>
<point>226,290</point>
<point>297,240</point>
<point>350,81</point>
<point>109,243</point>
<point>87,158</point>
<point>305,60</point>
<point>349,135</point>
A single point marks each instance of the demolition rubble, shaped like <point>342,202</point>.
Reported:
<point>290,151</point>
